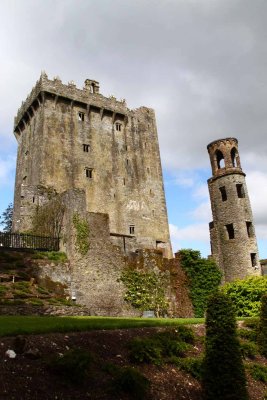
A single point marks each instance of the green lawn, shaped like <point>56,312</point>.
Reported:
<point>13,325</point>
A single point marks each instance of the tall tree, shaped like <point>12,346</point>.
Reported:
<point>6,218</point>
<point>223,370</point>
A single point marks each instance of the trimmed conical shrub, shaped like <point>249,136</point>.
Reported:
<point>262,338</point>
<point>223,370</point>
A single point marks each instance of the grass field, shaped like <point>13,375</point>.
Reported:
<point>14,325</point>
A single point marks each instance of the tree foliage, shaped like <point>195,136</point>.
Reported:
<point>246,295</point>
<point>146,290</point>
<point>223,370</point>
<point>262,338</point>
<point>47,219</point>
<point>204,278</point>
<point>6,218</point>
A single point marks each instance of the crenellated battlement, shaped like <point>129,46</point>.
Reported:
<point>89,95</point>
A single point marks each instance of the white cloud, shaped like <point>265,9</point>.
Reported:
<point>257,189</point>
<point>194,232</point>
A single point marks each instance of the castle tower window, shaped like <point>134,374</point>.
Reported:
<point>233,156</point>
<point>223,193</point>
<point>25,178</point>
<point>253,259</point>
<point>86,148</point>
<point>127,161</point>
<point>124,181</point>
<point>89,173</point>
<point>148,170</point>
<point>126,147</point>
<point>131,229</point>
<point>80,116</point>
<point>219,159</point>
<point>240,190</point>
<point>118,126</point>
<point>33,199</point>
<point>230,231</point>
<point>249,228</point>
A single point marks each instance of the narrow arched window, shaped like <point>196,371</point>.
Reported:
<point>219,159</point>
<point>233,156</point>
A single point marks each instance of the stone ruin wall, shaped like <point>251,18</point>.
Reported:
<point>93,278</point>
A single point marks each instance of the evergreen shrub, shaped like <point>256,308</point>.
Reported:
<point>191,365</point>
<point>223,370</point>
<point>132,382</point>
<point>72,366</point>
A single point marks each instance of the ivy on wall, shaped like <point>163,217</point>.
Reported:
<point>146,290</point>
<point>82,234</point>
<point>204,277</point>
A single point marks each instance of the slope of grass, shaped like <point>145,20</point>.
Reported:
<point>13,325</point>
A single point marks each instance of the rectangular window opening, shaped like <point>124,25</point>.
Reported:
<point>230,231</point>
<point>240,190</point>
<point>89,173</point>
<point>124,181</point>
<point>118,126</point>
<point>86,148</point>
<point>223,193</point>
<point>253,259</point>
<point>249,228</point>
<point>131,229</point>
<point>80,116</point>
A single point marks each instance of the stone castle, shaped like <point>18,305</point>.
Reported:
<point>102,160</point>
<point>78,139</point>
<point>232,233</point>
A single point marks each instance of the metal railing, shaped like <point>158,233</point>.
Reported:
<point>25,241</point>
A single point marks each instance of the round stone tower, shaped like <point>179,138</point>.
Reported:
<point>232,234</point>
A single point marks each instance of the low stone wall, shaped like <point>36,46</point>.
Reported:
<point>44,310</point>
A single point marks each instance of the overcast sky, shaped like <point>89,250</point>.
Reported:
<point>200,64</point>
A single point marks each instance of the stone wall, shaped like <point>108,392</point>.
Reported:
<point>93,278</point>
<point>44,310</point>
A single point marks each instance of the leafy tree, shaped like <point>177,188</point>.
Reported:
<point>203,275</point>
<point>6,218</point>
<point>262,338</point>
<point>47,219</point>
<point>246,295</point>
<point>223,370</point>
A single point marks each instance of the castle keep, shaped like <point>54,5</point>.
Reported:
<point>232,234</point>
<point>70,138</point>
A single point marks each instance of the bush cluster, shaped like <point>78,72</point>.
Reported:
<point>72,366</point>
<point>161,346</point>
<point>204,278</point>
<point>246,295</point>
<point>262,337</point>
